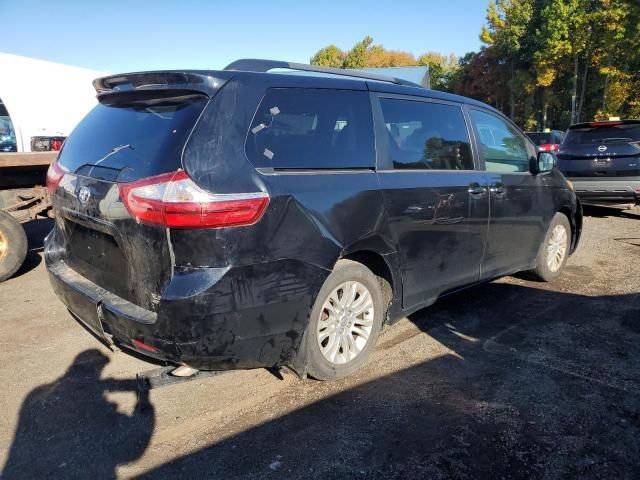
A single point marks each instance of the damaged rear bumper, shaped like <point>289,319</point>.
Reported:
<point>208,318</point>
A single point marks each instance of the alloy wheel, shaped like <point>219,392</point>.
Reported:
<point>345,322</point>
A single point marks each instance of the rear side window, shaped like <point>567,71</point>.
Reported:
<point>503,147</point>
<point>624,133</point>
<point>312,128</point>
<point>132,140</point>
<point>426,135</point>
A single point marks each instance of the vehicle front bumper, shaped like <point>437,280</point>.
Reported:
<point>609,191</point>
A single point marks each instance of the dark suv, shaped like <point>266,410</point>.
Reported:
<point>602,159</point>
<point>247,218</point>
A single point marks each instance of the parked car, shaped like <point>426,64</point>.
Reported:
<point>242,218</point>
<point>602,159</point>
<point>547,141</point>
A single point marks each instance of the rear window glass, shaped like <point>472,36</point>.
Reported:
<point>312,128</point>
<point>624,133</point>
<point>128,141</point>
<point>541,138</point>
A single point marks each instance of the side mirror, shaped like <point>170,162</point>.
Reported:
<point>545,162</point>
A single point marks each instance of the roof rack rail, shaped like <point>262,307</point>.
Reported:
<point>259,65</point>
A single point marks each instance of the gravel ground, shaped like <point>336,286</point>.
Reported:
<point>513,379</point>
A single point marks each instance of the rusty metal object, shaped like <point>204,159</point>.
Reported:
<point>29,203</point>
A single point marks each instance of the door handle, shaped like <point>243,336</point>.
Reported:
<point>476,190</point>
<point>498,189</point>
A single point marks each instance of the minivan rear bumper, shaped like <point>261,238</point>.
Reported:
<point>610,191</point>
<point>212,319</point>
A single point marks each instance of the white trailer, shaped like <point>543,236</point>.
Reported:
<point>42,100</point>
<point>40,103</point>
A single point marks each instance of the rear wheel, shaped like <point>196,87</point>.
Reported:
<point>13,245</point>
<point>554,252</point>
<point>346,320</point>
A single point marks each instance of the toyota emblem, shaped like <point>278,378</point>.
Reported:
<point>602,148</point>
<point>83,195</point>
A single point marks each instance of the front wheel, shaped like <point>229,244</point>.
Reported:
<point>554,252</point>
<point>345,322</point>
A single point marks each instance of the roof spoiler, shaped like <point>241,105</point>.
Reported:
<point>258,65</point>
<point>604,123</point>
<point>153,81</point>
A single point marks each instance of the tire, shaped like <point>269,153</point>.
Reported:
<point>556,244</point>
<point>336,361</point>
<point>13,245</point>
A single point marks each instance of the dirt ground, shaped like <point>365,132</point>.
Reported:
<point>514,379</point>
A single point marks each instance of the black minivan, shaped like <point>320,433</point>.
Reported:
<point>261,217</point>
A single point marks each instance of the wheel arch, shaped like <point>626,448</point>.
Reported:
<point>384,266</point>
<point>575,221</point>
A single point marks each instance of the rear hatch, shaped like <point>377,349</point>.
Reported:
<point>138,130</point>
<point>601,149</point>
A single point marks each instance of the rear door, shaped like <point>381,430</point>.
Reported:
<point>518,201</point>
<point>121,140</point>
<point>435,199</point>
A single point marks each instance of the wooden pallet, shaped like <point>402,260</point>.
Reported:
<point>31,159</point>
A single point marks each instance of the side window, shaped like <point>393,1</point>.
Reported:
<point>312,128</point>
<point>504,149</point>
<point>426,135</point>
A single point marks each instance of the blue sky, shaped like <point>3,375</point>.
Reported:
<point>119,35</point>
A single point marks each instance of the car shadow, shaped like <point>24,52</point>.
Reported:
<point>533,384</point>
<point>608,212</point>
<point>36,231</point>
<point>526,382</point>
<point>67,429</point>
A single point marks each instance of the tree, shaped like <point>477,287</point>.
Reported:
<point>357,56</point>
<point>330,56</point>
<point>546,63</point>
<point>442,68</point>
<point>366,54</point>
<point>508,23</point>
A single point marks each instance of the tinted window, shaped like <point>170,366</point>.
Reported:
<point>629,132</point>
<point>504,149</point>
<point>312,128</point>
<point>132,140</point>
<point>426,135</point>
<point>557,137</point>
<point>7,133</point>
<point>541,138</point>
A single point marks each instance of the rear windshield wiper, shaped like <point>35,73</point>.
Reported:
<point>616,140</point>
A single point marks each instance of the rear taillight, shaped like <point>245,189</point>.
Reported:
<point>56,145</point>
<point>549,147</point>
<point>174,200</point>
<point>54,175</point>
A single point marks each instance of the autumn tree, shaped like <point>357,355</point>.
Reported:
<point>329,56</point>
<point>366,54</point>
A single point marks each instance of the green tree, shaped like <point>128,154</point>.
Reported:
<point>330,56</point>
<point>442,68</point>
<point>357,56</point>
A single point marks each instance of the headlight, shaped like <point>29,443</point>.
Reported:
<point>570,183</point>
